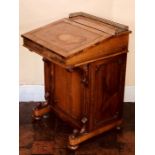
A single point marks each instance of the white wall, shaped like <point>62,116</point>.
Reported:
<point>35,13</point>
<point>124,12</point>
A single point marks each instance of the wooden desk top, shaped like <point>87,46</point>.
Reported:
<point>71,36</point>
<point>66,37</point>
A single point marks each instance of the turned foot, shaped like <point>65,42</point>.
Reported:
<point>46,116</point>
<point>36,118</point>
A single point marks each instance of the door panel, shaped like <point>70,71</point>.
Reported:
<point>107,89</point>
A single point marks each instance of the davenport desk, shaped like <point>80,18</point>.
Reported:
<point>84,66</point>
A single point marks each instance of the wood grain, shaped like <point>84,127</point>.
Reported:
<point>65,37</point>
<point>84,67</point>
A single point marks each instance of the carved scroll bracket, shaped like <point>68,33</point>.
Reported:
<point>45,60</point>
<point>82,131</point>
<point>77,134</point>
<point>70,69</point>
<point>99,66</point>
<point>84,121</point>
<point>82,70</point>
<point>84,73</point>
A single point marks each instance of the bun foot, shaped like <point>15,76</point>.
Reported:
<point>46,116</point>
<point>36,118</point>
<point>118,128</point>
<point>41,111</point>
<point>73,147</point>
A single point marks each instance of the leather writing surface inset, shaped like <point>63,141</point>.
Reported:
<point>66,37</point>
<point>76,40</point>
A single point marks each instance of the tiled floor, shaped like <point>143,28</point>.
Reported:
<point>49,136</point>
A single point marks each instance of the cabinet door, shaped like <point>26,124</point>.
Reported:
<point>108,78</point>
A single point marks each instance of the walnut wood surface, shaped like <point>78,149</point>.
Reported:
<point>94,90</point>
<point>72,36</point>
<point>66,37</point>
<point>103,20</point>
<point>96,24</point>
<point>81,138</point>
<point>84,63</point>
<point>107,83</point>
<point>108,47</point>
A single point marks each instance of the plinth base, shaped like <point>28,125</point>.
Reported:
<point>75,141</point>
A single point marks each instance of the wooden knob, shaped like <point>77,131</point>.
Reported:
<point>84,120</point>
<point>75,131</point>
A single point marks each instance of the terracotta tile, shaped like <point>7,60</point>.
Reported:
<point>61,141</point>
<point>126,137</point>
<point>24,151</point>
<point>26,135</point>
<point>97,151</point>
<point>63,151</point>
<point>43,148</point>
<point>43,131</point>
<point>126,153</point>
<point>25,112</point>
<point>50,136</point>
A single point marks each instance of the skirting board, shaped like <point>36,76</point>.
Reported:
<point>34,93</point>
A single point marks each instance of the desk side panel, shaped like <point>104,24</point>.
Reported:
<point>68,95</point>
<point>107,48</point>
